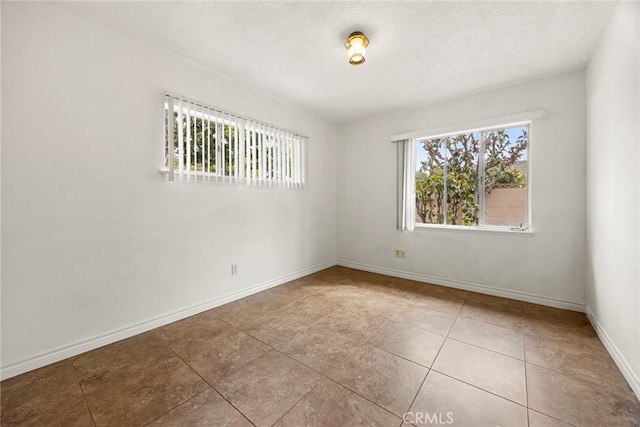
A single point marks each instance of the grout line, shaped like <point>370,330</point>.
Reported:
<point>492,309</point>
<point>554,418</point>
<point>424,380</point>
<point>206,382</point>
<point>343,386</point>
<point>341,307</point>
<point>574,377</point>
<point>454,321</point>
<point>472,385</point>
<point>479,388</point>
<point>305,365</point>
<point>365,341</point>
<point>486,349</point>
<point>438,353</point>
<point>324,376</point>
<point>176,407</point>
<point>493,325</point>
<point>75,372</point>
<point>430,307</point>
<point>250,361</point>
<point>296,404</point>
<point>523,333</point>
<point>402,357</point>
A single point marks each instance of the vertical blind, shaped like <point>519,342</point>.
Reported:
<point>405,184</point>
<point>204,143</point>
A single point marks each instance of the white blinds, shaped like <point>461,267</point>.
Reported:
<point>405,184</point>
<point>203,143</point>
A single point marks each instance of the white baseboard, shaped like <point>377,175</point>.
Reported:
<point>138,328</point>
<point>627,371</point>
<point>517,295</point>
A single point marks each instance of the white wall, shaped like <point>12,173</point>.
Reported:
<point>549,265</point>
<point>94,238</point>
<point>613,279</point>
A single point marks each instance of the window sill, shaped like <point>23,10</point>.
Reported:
<point>482,230</point>
<point>200,176</point>
<point>213,178</point>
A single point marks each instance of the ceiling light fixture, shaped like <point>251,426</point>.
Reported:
<point>356,45</point>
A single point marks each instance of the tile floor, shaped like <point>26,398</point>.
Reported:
<point>340,348</point>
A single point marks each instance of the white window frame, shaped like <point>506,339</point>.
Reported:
<point>498,123</point>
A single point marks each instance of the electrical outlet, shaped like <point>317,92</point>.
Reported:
<point>234,269</point>
<point>400,253</point>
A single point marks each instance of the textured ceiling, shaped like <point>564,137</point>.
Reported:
<point>419,52</point>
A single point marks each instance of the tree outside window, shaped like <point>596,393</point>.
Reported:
<point>453,187</point>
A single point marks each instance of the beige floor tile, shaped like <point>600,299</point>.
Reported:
<point>578,401</point>
<point>379,303</point>
<point>205,409</point>
<point>358,346</point>
<point>544,327</point>
<point>330,405</point>
<point>443,291</point>
<point>504,304</point>
<point>429,296</point>
<point>239,313</point>
<point>413,344</point>
<point>315,306</point>
<point>318,344</point>
<point>582,357</point>
<point>279,326</point>
<point>432,297</point>
<point>284,294</point>
<point>265,389</point>
<point>342,294</point>
<point>495,314</point>
<point>488,336</point>
<point>490,371</point>
<point>386,379</point>
<point>445,401</point>
<point>560,315</point>
<point>441,303</point>
<point>354,322</point>
<point>549,322</point>
<point>340,274</point>
<point>134,381</point>
<point>536,419</point>
<point>46,396</point>
<point>213,348</point>
<point>427,319</point>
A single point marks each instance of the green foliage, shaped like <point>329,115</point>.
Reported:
<point>214,146</point>
<point>501,156</point>
<point>459,156</point>
<point>429,195</point>
<point>199,139</point>
<point>512,176</point>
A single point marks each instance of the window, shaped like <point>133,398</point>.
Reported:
<point>475,179</point>
<point>203,143</point>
